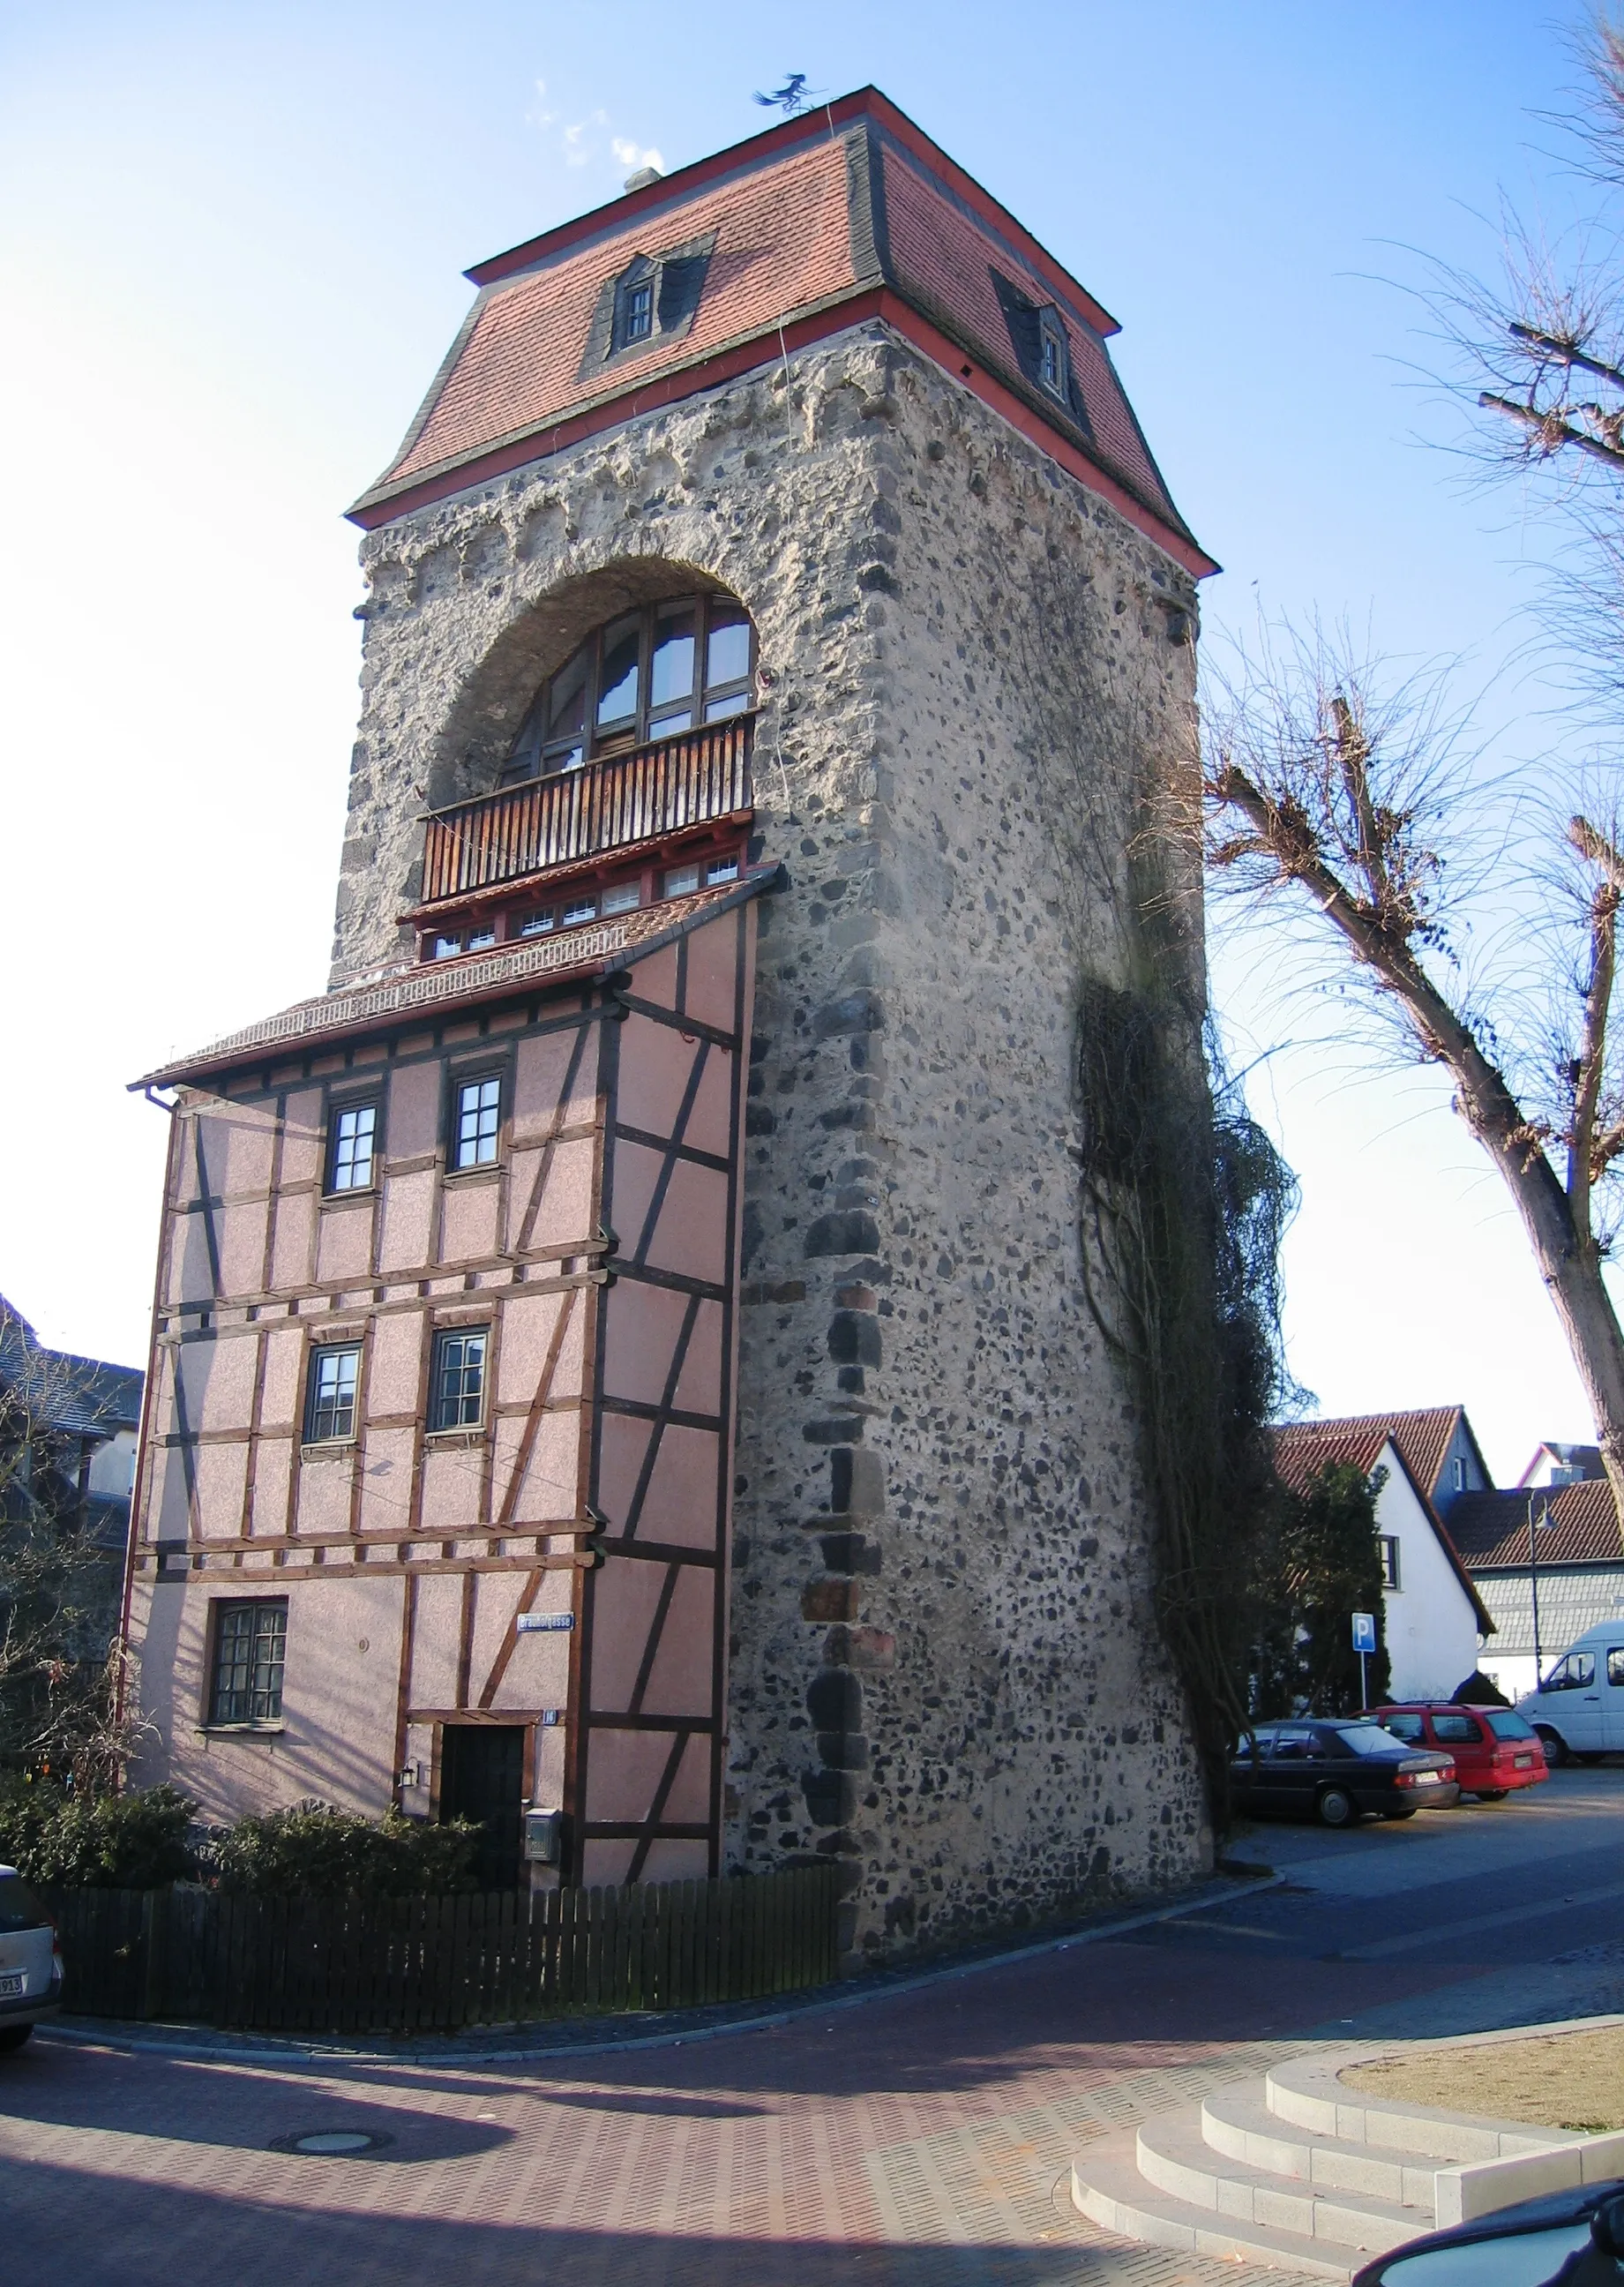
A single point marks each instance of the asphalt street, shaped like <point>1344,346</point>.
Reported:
<point>910,2136</point>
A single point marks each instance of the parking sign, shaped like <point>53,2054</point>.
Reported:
<point>1364,1630</point>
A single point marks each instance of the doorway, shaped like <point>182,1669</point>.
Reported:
<point>482,1779</point>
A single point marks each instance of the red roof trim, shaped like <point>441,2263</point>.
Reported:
<point>757,151</point>
<point>465,474</point>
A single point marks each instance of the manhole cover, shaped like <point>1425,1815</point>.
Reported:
<point>331,2143</point>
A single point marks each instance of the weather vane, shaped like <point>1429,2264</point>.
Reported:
<point>789,98</point>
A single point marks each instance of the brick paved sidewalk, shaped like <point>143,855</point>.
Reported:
<point>918,2140</point>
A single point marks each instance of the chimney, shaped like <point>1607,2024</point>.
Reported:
<point>640,181</point>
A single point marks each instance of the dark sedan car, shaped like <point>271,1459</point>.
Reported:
<point>1333,1771</point>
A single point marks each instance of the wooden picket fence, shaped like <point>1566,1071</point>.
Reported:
<point>432,1965</point>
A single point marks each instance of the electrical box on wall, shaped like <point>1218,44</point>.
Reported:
<point>542,1835</point>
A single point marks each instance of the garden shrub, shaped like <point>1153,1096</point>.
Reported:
<point>67,1841</point>
<point>314,1850</point>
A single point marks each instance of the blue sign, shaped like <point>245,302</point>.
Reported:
<point>1364,1630</point>
<point>536,1624</point>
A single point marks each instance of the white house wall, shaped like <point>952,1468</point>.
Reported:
<point>1431,1627</point>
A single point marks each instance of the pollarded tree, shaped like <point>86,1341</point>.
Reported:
<point>1316,788</point>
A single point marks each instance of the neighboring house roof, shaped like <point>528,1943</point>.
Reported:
<point>842,214</point>
<point>1424,1438</point>
<point>82,1397</point>
<point>1302,1449</point>
<point>573,956</point>
<point>1491,1529</point>
<point>1586,1459</point>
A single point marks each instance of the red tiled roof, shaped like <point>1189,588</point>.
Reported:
<point>1302,1449</point>
<point>783,241</point>
<point>433,989</point>
<point>1422,1440</point>
<point>825,219</point>
<point>1491,1529</point>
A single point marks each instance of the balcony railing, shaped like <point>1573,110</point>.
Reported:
<point>656,790</point>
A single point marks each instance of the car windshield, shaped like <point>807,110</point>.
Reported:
<point>20,1909</point>
<point>1368,1739</point>
<point>1506,1723</point>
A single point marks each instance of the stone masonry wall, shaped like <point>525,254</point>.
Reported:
<point>945,1669</point>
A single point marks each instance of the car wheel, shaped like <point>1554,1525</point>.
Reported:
<point>1492,1794</point>
<point>1336,1807</point>
<point>12,2037</point>
<point>1555,1746</point>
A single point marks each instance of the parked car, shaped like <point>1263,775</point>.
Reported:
<point>30,1966</point>
<point>1335,1770</point>
<point>1579,1709</point>
<point>1562,2239</point>
<point>1494,1749</point>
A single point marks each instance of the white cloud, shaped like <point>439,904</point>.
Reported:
<point>630,155</point>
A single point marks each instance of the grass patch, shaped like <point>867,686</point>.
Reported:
<point>1568,2080</point>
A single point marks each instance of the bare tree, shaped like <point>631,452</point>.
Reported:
<point>1314,786</point>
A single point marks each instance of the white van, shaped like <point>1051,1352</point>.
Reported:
<point>1579,1709</point>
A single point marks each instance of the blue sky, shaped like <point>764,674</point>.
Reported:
<point>231,240</point>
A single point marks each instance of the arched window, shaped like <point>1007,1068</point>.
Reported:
<point>648,675</point>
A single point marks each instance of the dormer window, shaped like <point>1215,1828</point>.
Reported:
<point>651,674</point>
<point>635,317</point>
<point>1051,355</point>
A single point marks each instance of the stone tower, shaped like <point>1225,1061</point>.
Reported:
<point>775,623</point>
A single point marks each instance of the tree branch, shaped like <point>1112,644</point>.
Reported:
<point>1554,432</point>
<point>1566,353</point>
<point>1353,754</point>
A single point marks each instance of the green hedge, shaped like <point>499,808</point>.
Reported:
<point>147,1839</point>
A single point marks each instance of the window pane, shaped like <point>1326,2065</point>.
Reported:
<point>445,947</point>
<point>639,312</point>
<point>618,675</point>
<point>566,710</point>
<point>250,1642</point>
<point>671,672</point>
<point>727,650</point>
<point>579,909</point>
<point>480,937</point>
<point>353,1132</point>
<point>715,710</point>
<point>478,1116</point>
<point>621,898</point>
<point>459,1381</point>
<point>537,924</point>
<point>682,881</point>
<point>720,869</point>
<point>334,1371</point>
<point>666,726</point>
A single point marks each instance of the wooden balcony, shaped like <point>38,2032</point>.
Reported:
<point>656,790</point>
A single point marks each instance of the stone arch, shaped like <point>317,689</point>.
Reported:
<point>488,708</point>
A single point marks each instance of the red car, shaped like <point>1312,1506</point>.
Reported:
<point>1495,1749</point>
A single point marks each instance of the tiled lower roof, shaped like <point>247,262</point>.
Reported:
<point>434,989</point>
<point>1302,1449</point>
<point>1492,1529</point>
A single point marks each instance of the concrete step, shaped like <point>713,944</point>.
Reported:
<point>1306,2093</point>
<point>1174,2157</point>
<point>1108,2189</point>
<point>1236,2123</point>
